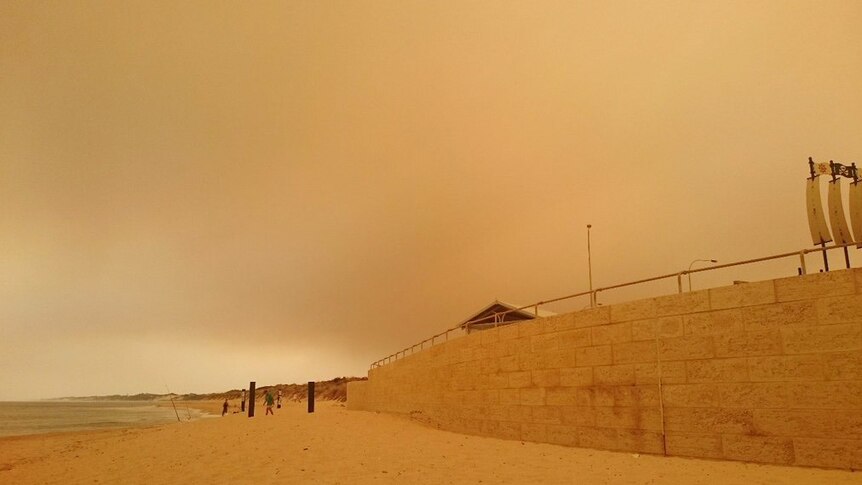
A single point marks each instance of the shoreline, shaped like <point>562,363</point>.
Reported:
<point>338,446</point>
<point>65,422</point>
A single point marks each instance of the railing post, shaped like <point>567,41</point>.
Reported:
<point>679,281</point>
<point>802,261</point>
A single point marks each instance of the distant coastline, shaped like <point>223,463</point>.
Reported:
<point>332,390</point>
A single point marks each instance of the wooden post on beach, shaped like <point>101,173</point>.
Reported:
<point>251,399</point>
<point>310,396</point>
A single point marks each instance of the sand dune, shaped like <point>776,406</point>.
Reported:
<point>336,446</point>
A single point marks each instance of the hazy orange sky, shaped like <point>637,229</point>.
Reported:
<point>199,194</point>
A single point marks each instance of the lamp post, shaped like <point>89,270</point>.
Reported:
<point>590,266</point>
<point>692,264</point>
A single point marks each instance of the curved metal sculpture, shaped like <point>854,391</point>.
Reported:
<point>816,217</point>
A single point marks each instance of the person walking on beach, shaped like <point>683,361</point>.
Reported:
<point>224,407</point>
<point>278,400</point>
<point>268,400</point>
<point>242,402</point>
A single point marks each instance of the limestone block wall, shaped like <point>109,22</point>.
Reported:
<point>766,372</point>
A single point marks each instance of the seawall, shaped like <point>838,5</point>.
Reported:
<point>765,372</point>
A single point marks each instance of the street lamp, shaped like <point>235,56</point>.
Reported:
<point>692,264</point>
<point>590,265</point>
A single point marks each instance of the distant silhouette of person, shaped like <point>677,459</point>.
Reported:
<point>242,403</point>
<point>278,400</point>
<point>224,407</point>
<point>269,401</point>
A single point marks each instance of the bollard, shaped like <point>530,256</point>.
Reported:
<point>251,399</point>
<point>310,396</point>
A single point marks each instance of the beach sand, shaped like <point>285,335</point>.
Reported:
<point>335,445</point>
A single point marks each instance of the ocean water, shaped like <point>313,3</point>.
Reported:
<point>23,418</point>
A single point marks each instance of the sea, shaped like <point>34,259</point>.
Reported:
<point>37,417</point>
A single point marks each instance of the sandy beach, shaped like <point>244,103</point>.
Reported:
<point>335,445</point>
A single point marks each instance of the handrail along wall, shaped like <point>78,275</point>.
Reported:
<point>594,293</point>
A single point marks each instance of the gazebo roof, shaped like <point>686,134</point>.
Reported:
<point>485,316</point>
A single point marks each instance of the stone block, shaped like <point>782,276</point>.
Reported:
<point>489,336</point>
<point>748,344</point>
<point>571,339</point>
<point>842,309</point>
<point>690,395</point>
<point>520,379</point>
<point>599,438</point>
<point>592,356</point>
<point>602,396</point>
<point>814,423</point>
<point>686,348</point>
<point>754,395</point>
<point>528,360</point>
<point>671,373</point>
<point>634,352</point>
<point>510,347</point>
<point>471,398</point>
<point>592,316</point>
<point>822,338</point>
<point>578,415</point>
<point>546,415</point>
<point>508,332</point>
<point>638,396</point>
<point>780,315</point>
<point>613,333</point>
<point>488,396</point>
<point>533,432</point>
<point>561,434</point>
<point>519,413</point>
<point>641,441</point>
<point>546,378</point>
<point>843,365</point>
<point>742,295</point>
<point>546,342</point>
<point>815,285</point>
<point>709,420</point>
<point>507,430</point>
<point>564,396</point>
<point>555,360</point>
<point>717,370</point>
<point>489,365</point>
<point>825,395</point>
<point>496,412</point>
<point>529,328</point>
<point>786,368</point>
<point>629,418</point>
<point>614,375</point>
<point>497,380</point>
<point>576,377</point>
<point>653,328</point>
<point>533,396</point>
<point>509,363</point>
<point>699,445</point>
<point>634,310</point>
<point>677,304</point>
<point>831,453</point>
<point>560,323</point>
<point>760,449</point>
<point>645,329</point>
<point>713,323</point>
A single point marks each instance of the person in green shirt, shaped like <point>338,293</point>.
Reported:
<point>267,398</point>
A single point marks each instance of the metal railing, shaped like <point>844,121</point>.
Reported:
<point>498,316</point>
